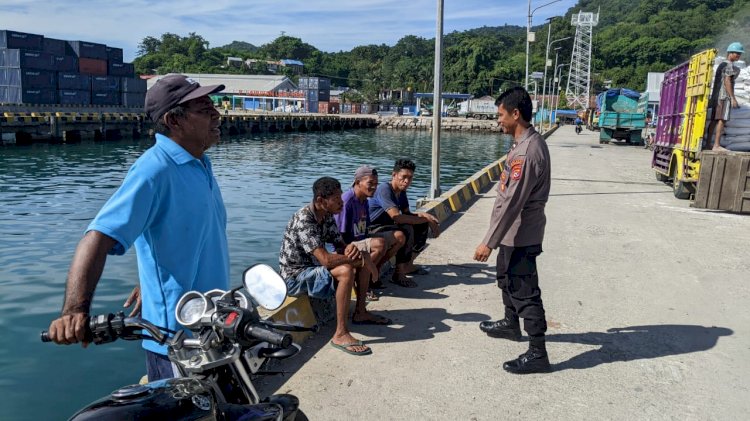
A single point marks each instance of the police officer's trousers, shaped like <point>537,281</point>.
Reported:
<point>517,278</point>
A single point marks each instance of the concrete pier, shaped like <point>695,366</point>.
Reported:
<point>646,302</point>
<point>72,126</point>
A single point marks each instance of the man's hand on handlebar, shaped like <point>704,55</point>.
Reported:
<point>69,329</point>
<point>134,299</point>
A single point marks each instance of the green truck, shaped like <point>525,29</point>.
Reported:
<point>622,115</point>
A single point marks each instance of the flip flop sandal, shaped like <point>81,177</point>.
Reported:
<point>344,347</point>
<point>372,296</point>
<point>421,270</point>
<point>404,282</point>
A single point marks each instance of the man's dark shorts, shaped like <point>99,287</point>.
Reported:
<point>159,367</point>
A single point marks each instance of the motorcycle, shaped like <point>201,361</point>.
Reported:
<point>579,129</point>
<point>229,344</point>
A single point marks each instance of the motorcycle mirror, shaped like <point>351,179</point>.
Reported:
<point>266,286</point>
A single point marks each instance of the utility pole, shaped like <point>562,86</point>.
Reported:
<point>437,108</point>
<point>546,65</point>
<point>529,40</point>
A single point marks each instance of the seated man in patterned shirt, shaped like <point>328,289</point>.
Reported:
<point>309,268</point>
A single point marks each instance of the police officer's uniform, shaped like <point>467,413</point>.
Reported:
<point>517,230</point>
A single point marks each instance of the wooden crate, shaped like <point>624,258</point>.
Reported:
<point>724,182</point>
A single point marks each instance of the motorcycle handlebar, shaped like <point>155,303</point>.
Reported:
<point>104,328</point>
<point>283,340</point>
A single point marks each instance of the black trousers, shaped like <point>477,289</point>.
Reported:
<point>518,279</point>
<point>416,239</point>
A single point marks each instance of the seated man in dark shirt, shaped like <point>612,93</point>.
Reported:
<point>389,210</point>
<point>309,268</point>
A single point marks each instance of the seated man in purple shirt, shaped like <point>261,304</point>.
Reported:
<point>354,224</point>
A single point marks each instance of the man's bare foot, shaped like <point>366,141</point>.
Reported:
<point>350,343</point>
<point>719,149</point>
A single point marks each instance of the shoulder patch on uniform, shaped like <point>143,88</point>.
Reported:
<point>515,169</point>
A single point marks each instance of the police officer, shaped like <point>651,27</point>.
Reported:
<point>516,231</point>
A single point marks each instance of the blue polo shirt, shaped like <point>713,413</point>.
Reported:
<point>170,208</point>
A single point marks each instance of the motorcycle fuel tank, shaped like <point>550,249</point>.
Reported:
<point>171,399</point>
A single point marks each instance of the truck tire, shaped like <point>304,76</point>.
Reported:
<point>681,190</point>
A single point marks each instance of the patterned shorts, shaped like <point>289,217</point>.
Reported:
<point>315,281</point>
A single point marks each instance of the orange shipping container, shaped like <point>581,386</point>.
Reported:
<point>323,107</point>
<point>91,66</point>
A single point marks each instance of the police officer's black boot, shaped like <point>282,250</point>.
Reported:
<point>507,328</point>
<point>534,360</point>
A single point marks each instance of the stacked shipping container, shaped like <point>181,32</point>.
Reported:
<point>317,90</point>
<point>39,70</point>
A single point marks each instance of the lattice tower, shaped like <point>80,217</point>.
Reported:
<point>579,78</point>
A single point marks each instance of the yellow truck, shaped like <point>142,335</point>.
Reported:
<point>682,123</point>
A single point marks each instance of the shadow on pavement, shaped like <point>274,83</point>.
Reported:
<point>408,325</point>
<point>638,343</point>
<point>430,285</point>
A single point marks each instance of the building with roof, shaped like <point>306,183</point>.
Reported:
<point>250,92</point>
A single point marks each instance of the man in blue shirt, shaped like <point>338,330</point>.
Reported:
<point>389,210</point>
<point>170,209</point>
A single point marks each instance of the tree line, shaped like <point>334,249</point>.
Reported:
<point>631,39</point>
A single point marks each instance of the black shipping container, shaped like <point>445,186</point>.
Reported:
<point>28,78</point>
<point>105,98</point>
<point>324,95</point>
<point>72,96</point>
<point>87,49</point>
<point>26,59</point>
<point>65,63</point>
<point>105,83</point>
<point>74,81</point>
<point>121,69</point>
<point>133,84</point>
<point>133,99</point>
<point>54,46</point>
<point>20,95</point>
<point>13,39</point>
<point>114,54</point>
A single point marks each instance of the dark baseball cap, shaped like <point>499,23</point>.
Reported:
<point>173,90</point>
<point>364,171</point>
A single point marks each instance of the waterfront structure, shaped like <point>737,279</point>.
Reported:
<point>579,79</point>
<point>251,92</point>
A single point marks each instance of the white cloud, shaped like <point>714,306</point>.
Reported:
<point>328,25</point>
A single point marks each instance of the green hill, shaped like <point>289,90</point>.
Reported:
<point>633,38</point>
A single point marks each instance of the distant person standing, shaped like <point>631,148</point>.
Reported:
<point>722,98</point>
<point>517,230</point>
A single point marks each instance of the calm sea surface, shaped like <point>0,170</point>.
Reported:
<point>49,193</point>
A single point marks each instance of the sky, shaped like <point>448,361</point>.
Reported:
<point>329,25</point>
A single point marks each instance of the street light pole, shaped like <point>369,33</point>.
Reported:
<point>552,87</point>
<point>528,33</point>
<point>546,65</point>
<point>437,107</point>
<point>557,98</point>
